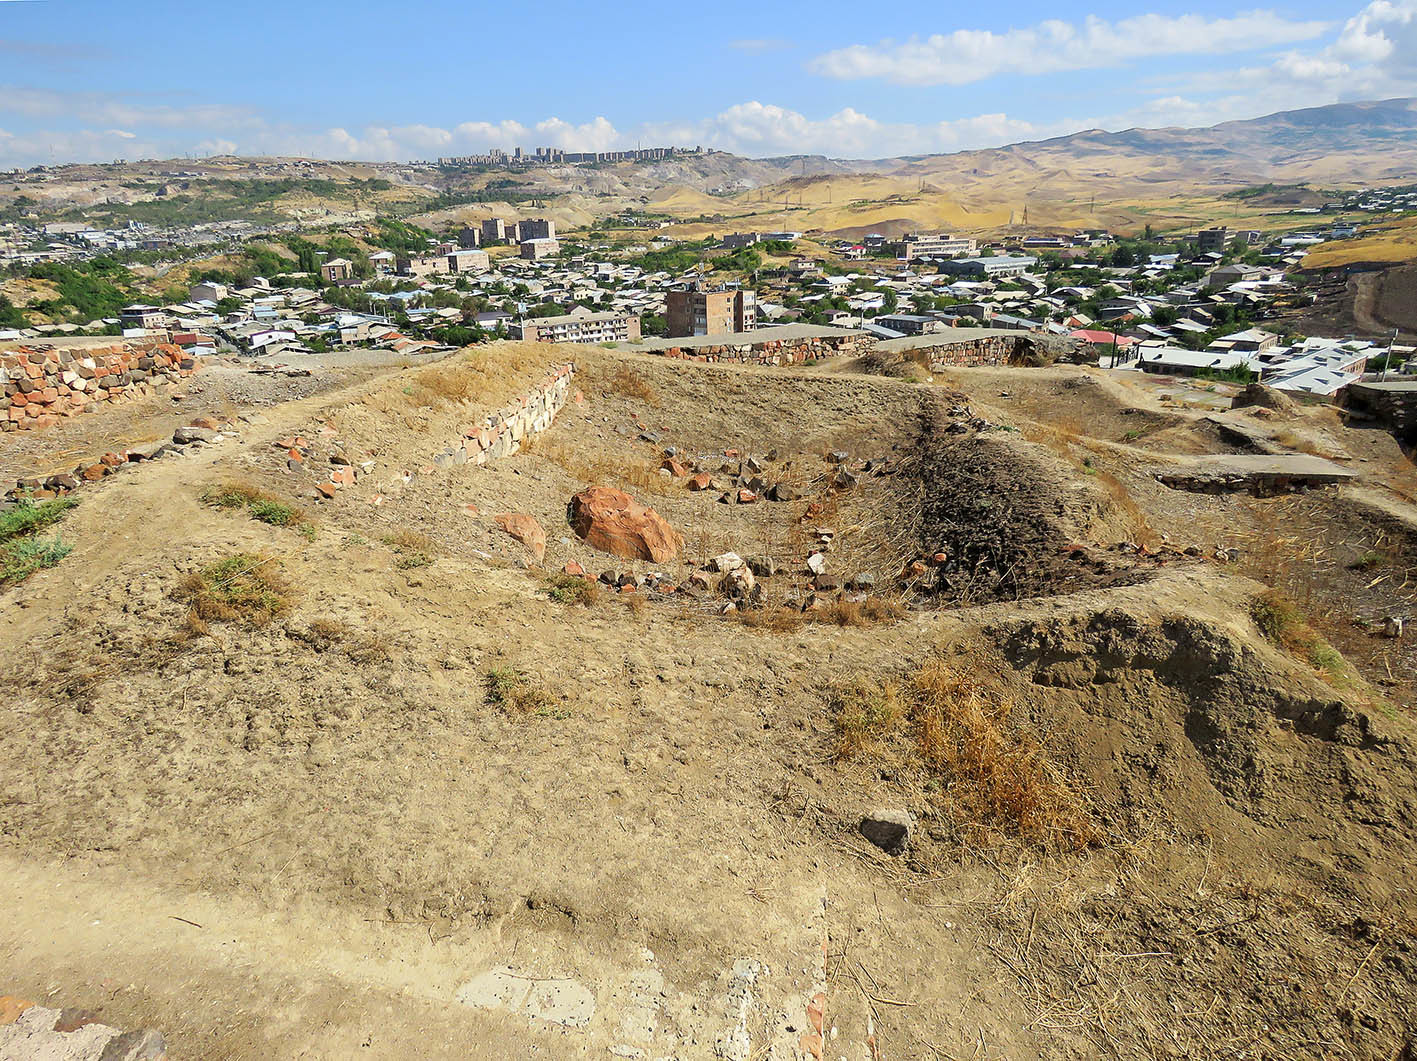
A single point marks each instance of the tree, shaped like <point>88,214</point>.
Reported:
<point>891,301</point>
<point>654,324</point>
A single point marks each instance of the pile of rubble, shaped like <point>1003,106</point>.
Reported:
<point>742,479</point>
<point>203,431</point>
<point>44,383</point>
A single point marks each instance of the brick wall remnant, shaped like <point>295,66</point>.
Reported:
<point>43,383</point>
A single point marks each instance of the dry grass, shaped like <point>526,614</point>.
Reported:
<point>411,548</point>
<point>867,612</point>
<point>324,634</point>
<point>785,619</point>
<point>262,505</point>
<point>627,473</point>
<point>628,383</point>
<point>517,692</point>
<point>243,588</point>
<point>1133,520</point>
<point>1284,623</point>
<point>948,724</point>
<point>480,375</point>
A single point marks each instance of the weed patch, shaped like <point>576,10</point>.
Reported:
<point>22,551</point>
<point>243,588</point>
<point>265,507</point>
<point>517,692</point>
<point>1284,623</point>
<point>571,589</point>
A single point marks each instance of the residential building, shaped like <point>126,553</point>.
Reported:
<point>941,245</point>
<point>337,271</point>
<point>142,317</point>
<point>1225,275</point>
<point>469,238</point>
<point>1212,240</point>
<point>533,249</point>
<point>494,230</point>
<point>580,326</point>
<point>700,312</point>
<point>423,266</point>
<point>468,261</point>
<point>910,323</point>
<point>207,291</point>
<point>734,240</point>
<point>383,262</point>
<point>1000,265</point>
<point>536,228</point>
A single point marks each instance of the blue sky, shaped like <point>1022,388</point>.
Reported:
<point>83,80</point>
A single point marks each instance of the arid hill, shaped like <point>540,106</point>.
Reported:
<point>985,743</point>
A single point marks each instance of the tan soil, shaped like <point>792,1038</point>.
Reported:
<point>282,842</point>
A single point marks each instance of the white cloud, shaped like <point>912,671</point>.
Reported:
<point>968,55</point>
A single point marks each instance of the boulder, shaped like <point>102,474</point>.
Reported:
<point>783,492</point>
<point>185,435</point>
<point>888,828</point>
<point>700,481</point>
<point>526,530</point>
<point>614,522</point>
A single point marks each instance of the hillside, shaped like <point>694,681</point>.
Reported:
<point>357,772</point>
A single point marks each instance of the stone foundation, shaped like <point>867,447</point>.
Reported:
<point>43,383</point>
<point>775,351</point>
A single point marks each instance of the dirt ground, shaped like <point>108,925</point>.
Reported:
<point>325,836</point>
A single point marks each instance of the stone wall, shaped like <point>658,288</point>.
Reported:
<point>1392,404</point>
<point>501,433</point>
<point>776,351</point>
<point>1002,349</point>
<point>43,383</point>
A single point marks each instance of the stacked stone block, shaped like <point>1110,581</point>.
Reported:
<point>44,383</point>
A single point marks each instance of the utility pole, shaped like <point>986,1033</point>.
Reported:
<point>1387,358</point>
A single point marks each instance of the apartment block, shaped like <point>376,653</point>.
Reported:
<point>580,326</point>
<point>536,228</point>
<point>941,245</point>
<point>699,312</point>
<point>532,249</point>
<point>1212,240</point>
<point>493,230</point>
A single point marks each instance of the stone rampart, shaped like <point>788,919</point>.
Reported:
<point>43,383</point>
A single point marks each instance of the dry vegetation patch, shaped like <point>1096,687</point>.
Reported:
<point>244,588</point>
<point>263,506</point>
<point>950,728</point>
<point>517,692</point>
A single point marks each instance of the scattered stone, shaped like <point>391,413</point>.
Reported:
<point>817,564</point>
<point>614,522</point>
<point>844,480</point>
<point>762,566</point>
<point>861,582</point>
<point>526,530</point>
<point>674,468</point>
<point>1393,626</point>
<point>888,828</point>
<point>783,492</point>
<point>747,497</point>
<point>838,456</point>
<point>701,481</point>
<point>186,435</point>
<point>609,578</point>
